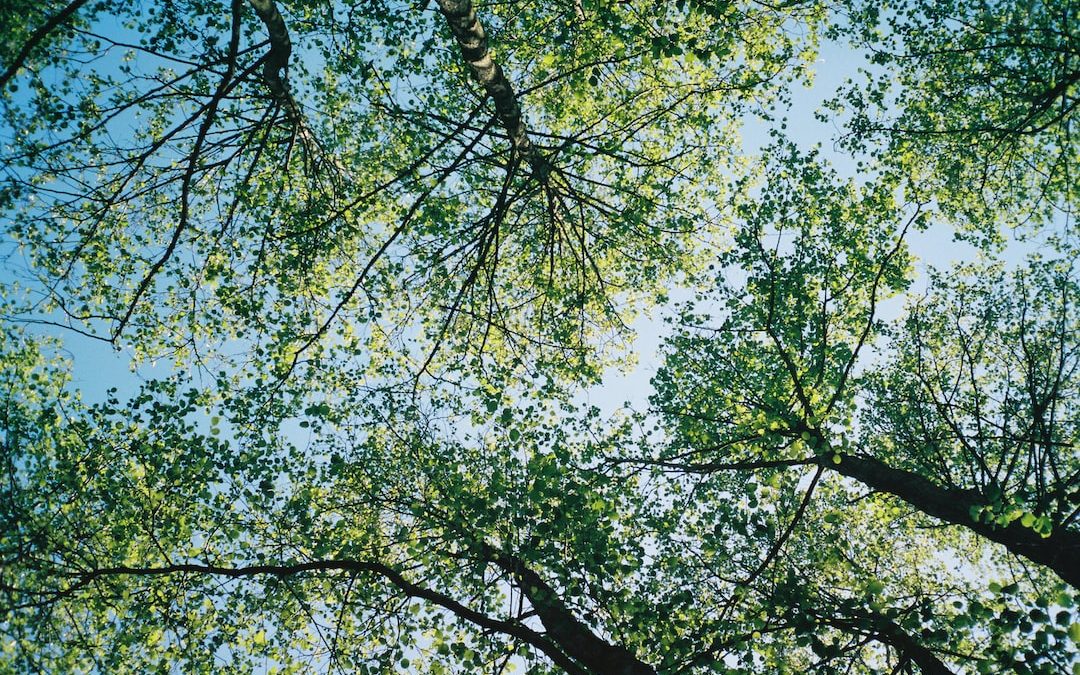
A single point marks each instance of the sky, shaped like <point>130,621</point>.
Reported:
<point>98,366</point>
<point>934,247</point>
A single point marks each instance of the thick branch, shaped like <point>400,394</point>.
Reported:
<point>275,74</point>
<point>888,632</point>
<point>277,60</point>
<point>469,33</point>
<point>1060,551</point>
<point>567,631</point>
<point>510,628</point>
<point>36,38</point>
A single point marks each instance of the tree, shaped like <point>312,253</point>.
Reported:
<point>498,224</point>
<point>385,247</point>
<point>980,106</point>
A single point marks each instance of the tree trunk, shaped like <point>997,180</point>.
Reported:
<point>470,37</point>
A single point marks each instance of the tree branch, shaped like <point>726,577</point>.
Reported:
<point>470,36</point>
<point>572,635</point>
<point>275,74</point>
<point>36,38</point>
<point>510,628</point>
<point>1060,551</point>
<point>887,632</point>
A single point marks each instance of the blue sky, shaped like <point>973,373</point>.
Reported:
<point>99,366</point>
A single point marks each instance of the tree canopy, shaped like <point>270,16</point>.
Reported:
<point>370,261</point>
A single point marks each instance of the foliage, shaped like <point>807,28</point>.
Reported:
<point>380,253</point>
<point>978,102</point>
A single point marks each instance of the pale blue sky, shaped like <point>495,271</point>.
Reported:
<point>98,366</point>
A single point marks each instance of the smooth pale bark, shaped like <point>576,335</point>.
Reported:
<point>470,36</point>
<point>275,74</point>
<point>277,60</point>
